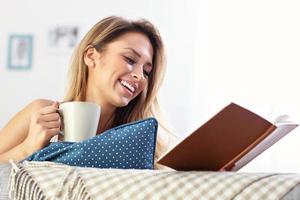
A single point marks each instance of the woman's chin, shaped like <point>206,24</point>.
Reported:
<point>122,102</point>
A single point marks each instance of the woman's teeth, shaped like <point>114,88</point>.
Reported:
<point>128,86</point>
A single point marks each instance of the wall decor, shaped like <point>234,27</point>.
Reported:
<point>20,47</point>
<point>62,39</point>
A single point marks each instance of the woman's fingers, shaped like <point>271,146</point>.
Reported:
<point>47,134</point>
<point>55,104</point>
<point>49,109</point>
<point>51,117</point>
<point>44,124</point>
<point>52,124</point>
<point>54,131</point>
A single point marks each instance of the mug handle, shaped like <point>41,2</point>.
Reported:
<point>60,136</point>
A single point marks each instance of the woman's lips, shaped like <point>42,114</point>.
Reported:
<point>128,84</point>
<point>126,90</point>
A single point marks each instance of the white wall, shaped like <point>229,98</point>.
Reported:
<point>218,52</point>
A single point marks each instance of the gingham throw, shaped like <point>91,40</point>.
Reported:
<point>47,180</point>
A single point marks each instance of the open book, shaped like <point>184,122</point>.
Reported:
<point>228,141</point>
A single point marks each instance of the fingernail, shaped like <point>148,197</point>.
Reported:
<point>56,104</point>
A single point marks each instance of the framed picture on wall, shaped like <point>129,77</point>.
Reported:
<point>62,39</point>
<point>20,52</point>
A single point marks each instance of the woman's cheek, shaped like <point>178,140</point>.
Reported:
<point>144,89</point>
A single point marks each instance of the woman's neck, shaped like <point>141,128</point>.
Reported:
<point>106,119</point>
<point>107,110</point>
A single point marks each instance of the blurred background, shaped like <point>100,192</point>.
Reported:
<point>218,52</point>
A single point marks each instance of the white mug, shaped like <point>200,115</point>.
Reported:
<point>79,120</point>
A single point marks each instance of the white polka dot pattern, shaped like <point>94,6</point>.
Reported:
<point>129,146</point>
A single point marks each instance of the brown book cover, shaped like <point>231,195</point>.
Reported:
<point>228,141</point>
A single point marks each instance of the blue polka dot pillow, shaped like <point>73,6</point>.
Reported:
<point>129,146</point>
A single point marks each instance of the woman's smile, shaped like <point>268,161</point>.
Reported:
<point>126,88</point>
<point>129,85</point>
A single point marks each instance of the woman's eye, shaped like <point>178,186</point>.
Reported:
<point>130,60</point>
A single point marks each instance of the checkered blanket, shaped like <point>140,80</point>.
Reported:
<point>47,180</point>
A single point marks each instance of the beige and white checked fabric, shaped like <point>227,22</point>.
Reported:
<point>46,180</point>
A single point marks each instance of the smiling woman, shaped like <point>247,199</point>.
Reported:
<point>119,73</point>
<point>119,65</point>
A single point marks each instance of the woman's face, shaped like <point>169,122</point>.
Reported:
<point>120,72</point>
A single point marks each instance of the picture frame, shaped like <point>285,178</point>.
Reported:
<point>20,49</point>
<point>62,39</point>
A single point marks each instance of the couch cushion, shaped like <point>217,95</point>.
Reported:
<point>127,146</point>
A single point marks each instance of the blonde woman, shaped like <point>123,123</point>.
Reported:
<point>119,65</point>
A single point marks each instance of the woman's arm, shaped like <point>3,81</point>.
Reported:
<point>17,153</point>
<point>26,132</point>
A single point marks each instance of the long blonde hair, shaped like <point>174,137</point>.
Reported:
<point>105,31</point>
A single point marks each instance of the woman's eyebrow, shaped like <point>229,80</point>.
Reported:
<point>134,51</point>
<point>137,54</point>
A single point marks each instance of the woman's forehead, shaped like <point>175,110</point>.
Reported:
<point>136,43</point>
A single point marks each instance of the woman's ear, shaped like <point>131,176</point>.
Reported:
<point>89,56</point>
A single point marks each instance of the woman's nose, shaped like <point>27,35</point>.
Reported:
<point>137,74</point>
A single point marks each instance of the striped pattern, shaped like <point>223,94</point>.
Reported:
<point>58,181</point>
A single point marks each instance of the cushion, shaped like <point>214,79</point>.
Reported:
<point>129,146</point>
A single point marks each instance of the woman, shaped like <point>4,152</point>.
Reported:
<point>119,65</point>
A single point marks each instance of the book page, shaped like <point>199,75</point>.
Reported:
<point>283,119</point>
<point>276,135</point>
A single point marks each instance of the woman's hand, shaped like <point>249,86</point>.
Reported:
<point>44,124</point>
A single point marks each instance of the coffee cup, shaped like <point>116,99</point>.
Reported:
<point>79,120</point>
